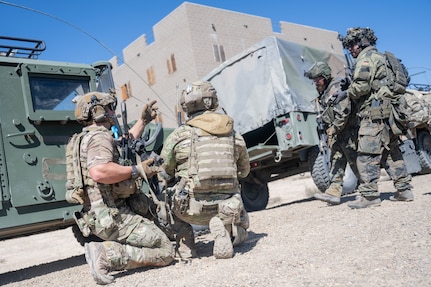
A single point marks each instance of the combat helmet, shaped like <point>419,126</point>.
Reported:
<point>319,69</point>
<point>199,96</point>
<point>92,106</point>
<point>364,37</point>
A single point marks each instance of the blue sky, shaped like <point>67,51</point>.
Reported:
<point>93,30</point>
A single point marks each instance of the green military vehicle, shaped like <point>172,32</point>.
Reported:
<point>36,121</point>
<point>272,104</point>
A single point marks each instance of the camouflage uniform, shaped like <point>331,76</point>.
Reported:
<point>199,206</point>
<point>341,118</point>
<point>116,212</point>
<point>377,144</point>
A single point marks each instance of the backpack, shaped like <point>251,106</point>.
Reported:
<point>398,76</point>
<point>408,108</point>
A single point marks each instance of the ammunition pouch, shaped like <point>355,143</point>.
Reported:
<point>379,110</point>
<point>181,201</point>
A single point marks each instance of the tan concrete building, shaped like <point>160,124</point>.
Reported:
<point>190,42</point>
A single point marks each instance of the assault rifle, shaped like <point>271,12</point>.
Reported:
<point>131,147</point>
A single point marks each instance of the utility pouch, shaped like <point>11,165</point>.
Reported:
<point>82,224</point>
<point>195,207</point>
<point>75,195</point>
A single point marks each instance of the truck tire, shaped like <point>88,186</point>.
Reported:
<point>254,196</point>
<point>320,165</point>
<point>424,150</point>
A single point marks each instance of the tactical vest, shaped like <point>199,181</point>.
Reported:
<point>212,164</point>
<point>77,173</point>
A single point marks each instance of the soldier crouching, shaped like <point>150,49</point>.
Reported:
<point>204,158</point>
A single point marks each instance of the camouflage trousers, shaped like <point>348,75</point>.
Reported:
<point>343,152</point>
<point>199,212</point>
<point>132,241</point>
<point>230,210</point>
<point>378,147</point>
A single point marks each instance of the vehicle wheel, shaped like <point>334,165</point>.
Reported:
<point>320,165</point>
<point>81,238</point>
<point>424,150</point>
<point>350,182</point>
<point>254,196</point>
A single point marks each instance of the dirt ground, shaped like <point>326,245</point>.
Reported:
<point>295,241</point>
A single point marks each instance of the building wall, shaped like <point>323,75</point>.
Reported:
<point>188,34</point>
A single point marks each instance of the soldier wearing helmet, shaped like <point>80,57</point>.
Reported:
<point>114,208</point>
<point>335,110</point>
<point>204,158</point>
<point>377,144</point>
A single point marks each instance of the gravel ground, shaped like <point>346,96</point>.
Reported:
<point>301,242</point>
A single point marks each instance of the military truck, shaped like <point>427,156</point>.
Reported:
<point>36,121</point>
<point>264,89</point>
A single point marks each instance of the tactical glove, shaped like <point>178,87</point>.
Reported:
<point>344,84</point>
<point>149,112</point>
<point>146,169</point>
<point>337,97</point>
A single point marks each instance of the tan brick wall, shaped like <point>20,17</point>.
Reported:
<point>189,33</point>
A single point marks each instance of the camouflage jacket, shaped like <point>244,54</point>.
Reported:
<point>177,147</point>
<point>340,114</point>
<point>370,68</point>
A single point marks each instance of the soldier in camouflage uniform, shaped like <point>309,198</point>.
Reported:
<point>114,208</point>
<point>340,123</point>
<point>377,144</point>
<point>204,158</point>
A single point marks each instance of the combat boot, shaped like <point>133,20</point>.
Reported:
<point>405,195</point>
<point>327,198</point>
<point>223,247</point>
<point>240,235</point>
<point>365,201</point>
<point>99,265</point>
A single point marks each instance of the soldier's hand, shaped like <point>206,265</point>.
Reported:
<point>344,84</point>
<point>146,169</point>
<point>337,97</point>
<point>149,112</point>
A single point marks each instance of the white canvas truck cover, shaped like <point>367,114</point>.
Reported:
<point>267,80</point>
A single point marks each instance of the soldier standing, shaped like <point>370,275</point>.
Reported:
<point>340,123</point>
<point>204,158</point>
<point>113,206</point>
<point>377,144</point>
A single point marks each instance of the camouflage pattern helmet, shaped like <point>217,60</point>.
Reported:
<point>199,96</point>
<point>319,69</point>
<point>91,106</point>
<point>364,37</point>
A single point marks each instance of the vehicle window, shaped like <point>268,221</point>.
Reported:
<point>56,93</point>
